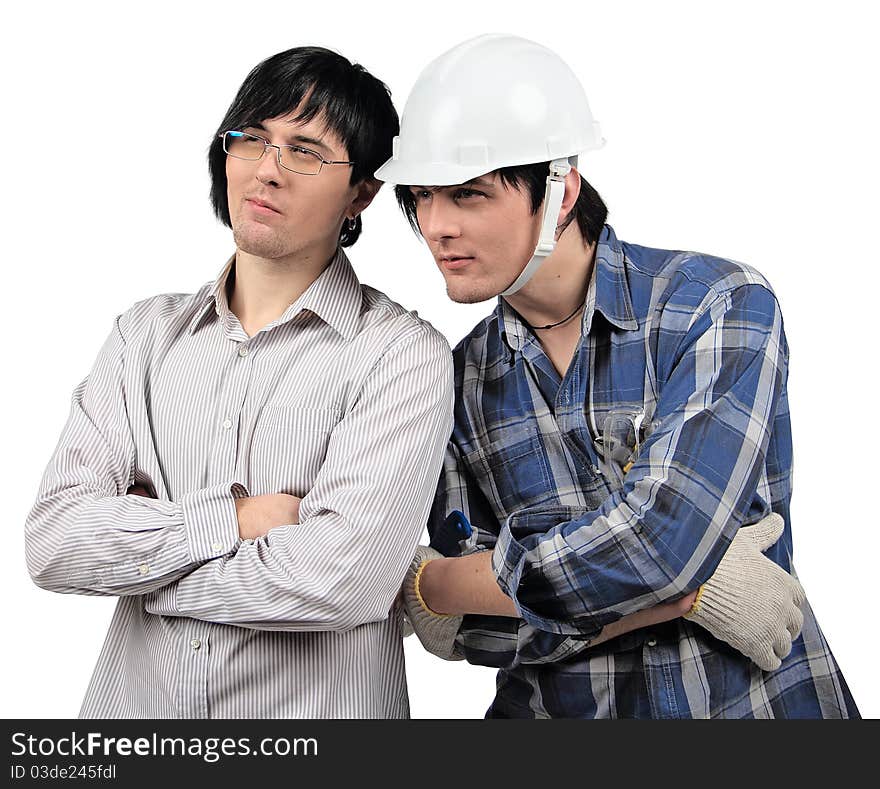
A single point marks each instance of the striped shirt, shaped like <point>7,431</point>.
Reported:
<point>621,485</point>
<point>345,401</point>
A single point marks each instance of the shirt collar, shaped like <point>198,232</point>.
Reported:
<point>215,297</point>
<point>334,296</point>
<point>608,293</point>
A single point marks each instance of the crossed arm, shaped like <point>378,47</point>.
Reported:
<point>561,573</point>
<point>84,535</point>
<point>468,585</point>
<point>331,561</point>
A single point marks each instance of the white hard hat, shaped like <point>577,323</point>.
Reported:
<point>494,101</point>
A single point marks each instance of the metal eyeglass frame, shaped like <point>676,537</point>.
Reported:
<point>267,145</point>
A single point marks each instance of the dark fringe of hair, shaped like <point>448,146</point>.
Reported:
<point>354,105</point>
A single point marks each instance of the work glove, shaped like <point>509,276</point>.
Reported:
<point>436,631</point>
<point>750,602</point>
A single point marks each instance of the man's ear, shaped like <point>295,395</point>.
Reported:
<point>572,191</point>
<point>366,191</point>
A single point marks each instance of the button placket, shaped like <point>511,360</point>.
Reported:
<point>660,661</point>
<point>194,673</point>
<point>222,463</point>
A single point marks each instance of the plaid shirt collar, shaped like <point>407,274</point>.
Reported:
<point>608,292</point>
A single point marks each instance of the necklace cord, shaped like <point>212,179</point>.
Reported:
<point>552,325</point>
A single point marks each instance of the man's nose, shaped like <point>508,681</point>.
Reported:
<point>268,168</point>
<point>438,221</point>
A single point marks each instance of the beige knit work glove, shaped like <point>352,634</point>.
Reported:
<point>750,602</point>
<point>436,631</point>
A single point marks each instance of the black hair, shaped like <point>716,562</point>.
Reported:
<point>589,209</point>
<point>356,106</point>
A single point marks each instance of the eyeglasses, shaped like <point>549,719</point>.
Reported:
<point>291,157</point>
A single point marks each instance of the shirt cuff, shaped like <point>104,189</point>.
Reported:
<point>508,559</point>
<point>210,520</point>
<point>509,563</point>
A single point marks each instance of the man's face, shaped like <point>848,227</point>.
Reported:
<point>481,234</point>
<point>300,215</point>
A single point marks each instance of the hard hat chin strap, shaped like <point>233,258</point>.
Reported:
<point>553,195</point>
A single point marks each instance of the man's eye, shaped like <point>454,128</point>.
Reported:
<point>463,194</point>
<point>421,194</point>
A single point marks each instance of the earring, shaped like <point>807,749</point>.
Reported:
<point>352,223</point>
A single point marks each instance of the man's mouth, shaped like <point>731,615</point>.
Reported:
<point>455,261</point>
<point>260,207</point>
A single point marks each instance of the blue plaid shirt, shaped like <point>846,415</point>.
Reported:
<point>621,485</point>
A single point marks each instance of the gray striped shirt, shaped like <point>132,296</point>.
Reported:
<point>345,401</point>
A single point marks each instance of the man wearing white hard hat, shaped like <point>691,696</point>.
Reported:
<point>611,526</point>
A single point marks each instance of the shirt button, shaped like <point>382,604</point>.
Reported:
<point>242,350</point>
<point>227,423</point>
<point>195,643</point>
<point>216,547</point>
<point>652,642</point>
<point>143,569</point>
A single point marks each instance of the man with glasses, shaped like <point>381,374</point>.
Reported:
<point>232,463</point>
<point>621,434</point>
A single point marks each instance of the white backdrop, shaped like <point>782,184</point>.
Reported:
<point>748,131</point>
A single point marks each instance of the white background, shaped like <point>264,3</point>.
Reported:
<point>743,130</point>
